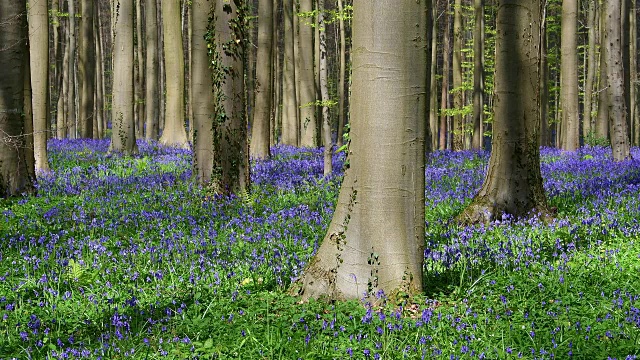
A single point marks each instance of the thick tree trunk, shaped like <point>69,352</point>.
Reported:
<point>202,89</point>
<point>152,94</point>
<point>458,95</point>
<point>587,126</point>
<point>290,120</point>
<point>14,174</point>
<point>39,63</point>
<point>123,136</point>
<point>478,75</point>
<point>174,133</point>
<point>86,70</point>
<point>569,72</point>
<point>615,79</point>
<point>306,81</point>
<point>513,184</point>
<point>140,71</point>
<point>71,89</point>
<point>324,92</point>
<point>375,241</point>
<point>261,125</point>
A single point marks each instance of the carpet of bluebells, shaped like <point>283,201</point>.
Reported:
<point>124,257</point>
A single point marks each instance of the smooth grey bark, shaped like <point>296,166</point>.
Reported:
<point>86,70</point>
<point>71,107</point>
<point>602,122</point>
<point>341,76</point>
<point>152,92</point>
<point>61,111</point>
<point>545,132</point>
<point>98,124</point>
<point>478,75</point>
<point>27,118</point>
<point>513,184</point>
<point>324,91</point>
<point>39,64</point>
<point>261,124</point>
<point>290,119</point>
<point>569,73</point>
<point>433,86</point>
<point>615,79</point>
<point>123,135</point>
<point>306,80</point>
<point>174,132</point>
<point>139,72</point>
<point>444,102</point>
<point>376,238</point>
<point>14,173</point>
<point>202,88</point>
<point>587,122</point>
<point>635,110</point>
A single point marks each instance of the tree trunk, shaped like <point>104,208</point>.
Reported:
<point>545,131</point>
<point>306,79</point>
<point>14,174</point>
<point>587,126</point>
<point>290,122</point>
<point>231,167</point>
<point>71,90</point>
<point>152,94</point>
<point>458,93</point>
<point>86,70</point>
<point>324,92</point>
<point>433,86</point>
<point>202,86</point>
<point>375,241</point>
<point>61,111</point>
<point>261,127</point>
<point>174,133</point>
<point>615,80</point>
<point>98,124</point>
<point>139,72</point>
<point>635,110</point>
<point>341,75</point>
<point>513,184</point>
<point>569,72</point>
<point>27,120</point>
<point>123,135</point>
<point>444,102</point>
<point>602,123</point>
<point>39,63</point>
<point>162,78</point>
<point>478,75</point>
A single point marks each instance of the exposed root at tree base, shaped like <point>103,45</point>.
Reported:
<point>480,212</point>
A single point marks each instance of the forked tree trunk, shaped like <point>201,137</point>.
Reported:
<point>174,133</point>
<point>513,184</point>
<point>14,175</point>
<point>569,72</point>
<point>376,238</point>
<point>615,79</point>
<point>261,127</point>
<point>123,135</point>
<point>202,89</point>
<point>39,58</point>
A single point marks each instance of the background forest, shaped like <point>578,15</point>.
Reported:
<point>219,179</point>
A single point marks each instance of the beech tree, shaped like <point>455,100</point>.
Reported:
<point>86,70</point>
<point>569,72</point>
<point>152,93</point>
<point>306,79</point>
<point>376,238</point>
<point>513,184</point>
<point>290,115</point>
<point>14,174</point>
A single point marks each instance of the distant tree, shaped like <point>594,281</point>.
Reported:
<point>123,136</point>
<point>376,238</point>
<point>342,74</point>
<point>587,121</point>
<point>478,74</point>
<point>14,174</point>
<point>86,70</point>
<point>324,91</point>
<point>306,79</point>
<point>513,184</point>
<point>290,114</point>
<point>569,72</point>
<point>458,93</point>
<point>39,58</point>
<point>261,128</point>
<point>174,133</point>
<point>70,110</point>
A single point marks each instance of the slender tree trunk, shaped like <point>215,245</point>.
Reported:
<point>71,89</point>
<point>341,75</point>
<point>14,174</point>
<point>569,72</point>
<point>290,122</point>
<point>587,125</point>
<point>174,133</point>
<point>98,124</point>
<point>444,103</point>
<point>513,184</point>
<point>324,92</point>
<point>27,127</point>
<point>382,195</point>
<point>635,111</point>
<point>545,131</point>
<point>261,128</point>
<point>276,121</point>
<point>152,94</point>
<point>458,126</point>
<point>123,136</point>
<point>602,123</point>
<point>615,80</point>
<point>162,78</point>
<point>139,72</point>
<point>478,75</point>
<point>39,63</point>
<point>433,86</point>
<point>202,89</point>
<point>625,7</point>
<point>306,81</point>
<point>86,70</point>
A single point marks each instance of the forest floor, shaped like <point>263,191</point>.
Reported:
<point>125,258</point>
